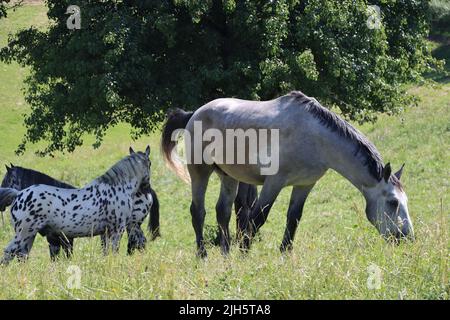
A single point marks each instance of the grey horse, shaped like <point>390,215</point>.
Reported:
<point>312,139</point>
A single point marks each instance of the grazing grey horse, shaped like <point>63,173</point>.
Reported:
<point>104,207</point>
<point>312,139</point>
<point>21,178</point>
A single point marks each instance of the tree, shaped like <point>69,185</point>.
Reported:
<point>5,6</point>
<point>133,60</point>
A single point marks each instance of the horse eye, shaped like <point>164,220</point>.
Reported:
<point>393,203</point>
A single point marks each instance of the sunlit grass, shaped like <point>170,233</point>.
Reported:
<point>334,247</point>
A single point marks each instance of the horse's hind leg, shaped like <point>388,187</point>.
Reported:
<point>228,190</point>
<point>260,211</point>
<point>115,240</point>
<point>246,197</point>
<point>19,247</point>
<point>26,228</point>
<point>199,182</point>
<point>298,198</point>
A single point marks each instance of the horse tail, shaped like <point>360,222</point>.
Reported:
<point>177,119</point>
<point>7,197</point>
<point>153,223</point>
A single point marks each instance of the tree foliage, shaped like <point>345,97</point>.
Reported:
<point>4,6</point>
<point>133,60</point>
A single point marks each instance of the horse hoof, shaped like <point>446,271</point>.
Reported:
<point>201,253</point>
<point>286,248</point>
<point>155,236</point>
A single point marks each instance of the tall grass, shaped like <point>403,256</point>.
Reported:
<point>336,250</point>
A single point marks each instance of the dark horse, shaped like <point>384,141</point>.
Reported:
<point>21,178</point>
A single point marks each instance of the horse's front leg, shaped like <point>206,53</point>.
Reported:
<point>298,198</point>
<point>115,238</point>
<point>105,242</point>
<point>111,238</point>
<point>136,238</point>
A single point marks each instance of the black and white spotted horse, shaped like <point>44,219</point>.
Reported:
<point>104,207</point>
<point>21,178</point>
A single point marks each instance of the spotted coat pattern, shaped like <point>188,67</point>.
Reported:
<point>106,207</point>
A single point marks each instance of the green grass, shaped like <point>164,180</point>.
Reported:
<point>335,244</point>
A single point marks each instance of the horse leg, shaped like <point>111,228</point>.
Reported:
<point>67,245</point>
<point>18,247</point>
<point>23,240</point>
<point>199,182</point>
<point>260,211</point>
<point>54,246</point>
<point>132,239</point>
<point>105,242</point>
<point>136,238</point>
<point>140,236</point>
<point>246,197</point>
<point>298,198</point>
<point>115,238</point>
<point>228,190</point>
<point>153,223</point>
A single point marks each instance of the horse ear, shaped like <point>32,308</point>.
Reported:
<point>398,174</point>
<point>387,172</point>
<point>7,168</point>
<point>12,166</point>
<point>131,150</point>
<point>147,151</point>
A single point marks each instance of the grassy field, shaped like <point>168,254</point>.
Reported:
<point>336,249</point>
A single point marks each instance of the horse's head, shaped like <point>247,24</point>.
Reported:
<point>387,206</point>
<point>10,180</point>
<point>143,160</point>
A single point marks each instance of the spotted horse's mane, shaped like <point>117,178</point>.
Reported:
<point>123,170</point>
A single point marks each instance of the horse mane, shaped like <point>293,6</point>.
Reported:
<point>122,171</point>
<point>372,158</point>
<point>29,177</point>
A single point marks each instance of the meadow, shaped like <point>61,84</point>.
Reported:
<point>337,253</point>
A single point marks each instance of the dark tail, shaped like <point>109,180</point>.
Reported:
<point>7,197</point>
<point>153,223</point>
<point>176,119</point>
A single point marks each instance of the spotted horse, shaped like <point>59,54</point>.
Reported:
<point>20,178</point>
<point>103,207</point>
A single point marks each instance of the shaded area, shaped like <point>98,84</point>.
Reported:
<point>441,52</point>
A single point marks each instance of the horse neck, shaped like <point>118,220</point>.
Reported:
<point>341,158</point>
<point>125,180</point>
<point>30,177</point>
